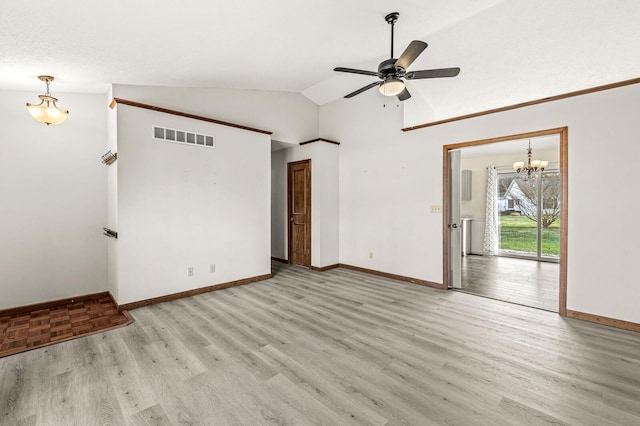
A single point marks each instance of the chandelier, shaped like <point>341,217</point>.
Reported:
<point>530,166</point>
<point>47,111</point>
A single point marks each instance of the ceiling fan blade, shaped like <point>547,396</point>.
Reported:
<point>437,73</point>
<point>413,50</point>
<point>354,71</point>
<point>404,95</point>
<point>362,89</point>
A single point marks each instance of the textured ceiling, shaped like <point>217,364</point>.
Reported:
<point>509,51</point>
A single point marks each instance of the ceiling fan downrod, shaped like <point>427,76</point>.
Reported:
<point>391,19</point>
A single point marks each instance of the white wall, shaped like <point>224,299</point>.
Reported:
<point>112,200</point>
<point>388,180</point>
<point>53,208</point>
<point>290,116</point>
<point>328,199</point>
<point>279,204</point>
<point>324,201</point>
<point>183,206</point>
<point>58,170</point>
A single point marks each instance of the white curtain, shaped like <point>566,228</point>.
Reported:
<point>490,244</point>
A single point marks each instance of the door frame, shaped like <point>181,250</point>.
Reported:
<point>562,132</point>
<point>290,208</point>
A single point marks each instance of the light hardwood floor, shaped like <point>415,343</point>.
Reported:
<point>338,347</point>
<point>522,281</point>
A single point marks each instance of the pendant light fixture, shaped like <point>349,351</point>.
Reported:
<point>531,165</point>
<point>47,111</point>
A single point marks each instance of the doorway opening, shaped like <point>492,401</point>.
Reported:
<point>515,250</point>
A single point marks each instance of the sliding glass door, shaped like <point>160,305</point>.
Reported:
<point>529,215</point>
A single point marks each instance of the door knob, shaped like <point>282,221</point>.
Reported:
<point>454,225</point>
<point>290,219</point>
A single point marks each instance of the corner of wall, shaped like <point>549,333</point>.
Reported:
<point>112,197</point>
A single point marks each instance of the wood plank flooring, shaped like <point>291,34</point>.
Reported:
<point>338,347</point>
<point>522,281</point>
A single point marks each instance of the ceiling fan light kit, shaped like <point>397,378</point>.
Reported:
<point>392,71</point>
<point>392,87</point>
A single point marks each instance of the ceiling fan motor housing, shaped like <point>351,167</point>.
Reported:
<point>388,68</point>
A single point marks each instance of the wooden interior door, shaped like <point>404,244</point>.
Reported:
<point>299,207</point>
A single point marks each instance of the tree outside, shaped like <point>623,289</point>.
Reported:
<point>550,194</point>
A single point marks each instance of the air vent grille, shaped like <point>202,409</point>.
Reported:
<point>183,137</point>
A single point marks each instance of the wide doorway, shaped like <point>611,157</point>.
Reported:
<point>505,218</point>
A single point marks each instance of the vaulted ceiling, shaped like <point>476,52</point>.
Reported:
<point>509,51</point>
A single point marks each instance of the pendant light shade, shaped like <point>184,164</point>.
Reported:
<point>47,111</point>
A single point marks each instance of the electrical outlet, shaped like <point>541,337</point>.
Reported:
<point>436,209</point>
<point>370,255</point>
<point>190,271</point>
<point>212,268</point>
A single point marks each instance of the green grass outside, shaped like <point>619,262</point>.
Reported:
<point>518,233</point>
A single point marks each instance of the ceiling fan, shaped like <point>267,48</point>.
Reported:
<point>392,71</point>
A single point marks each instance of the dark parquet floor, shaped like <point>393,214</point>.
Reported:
<point>25,331</point>
<point>521,281</point>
